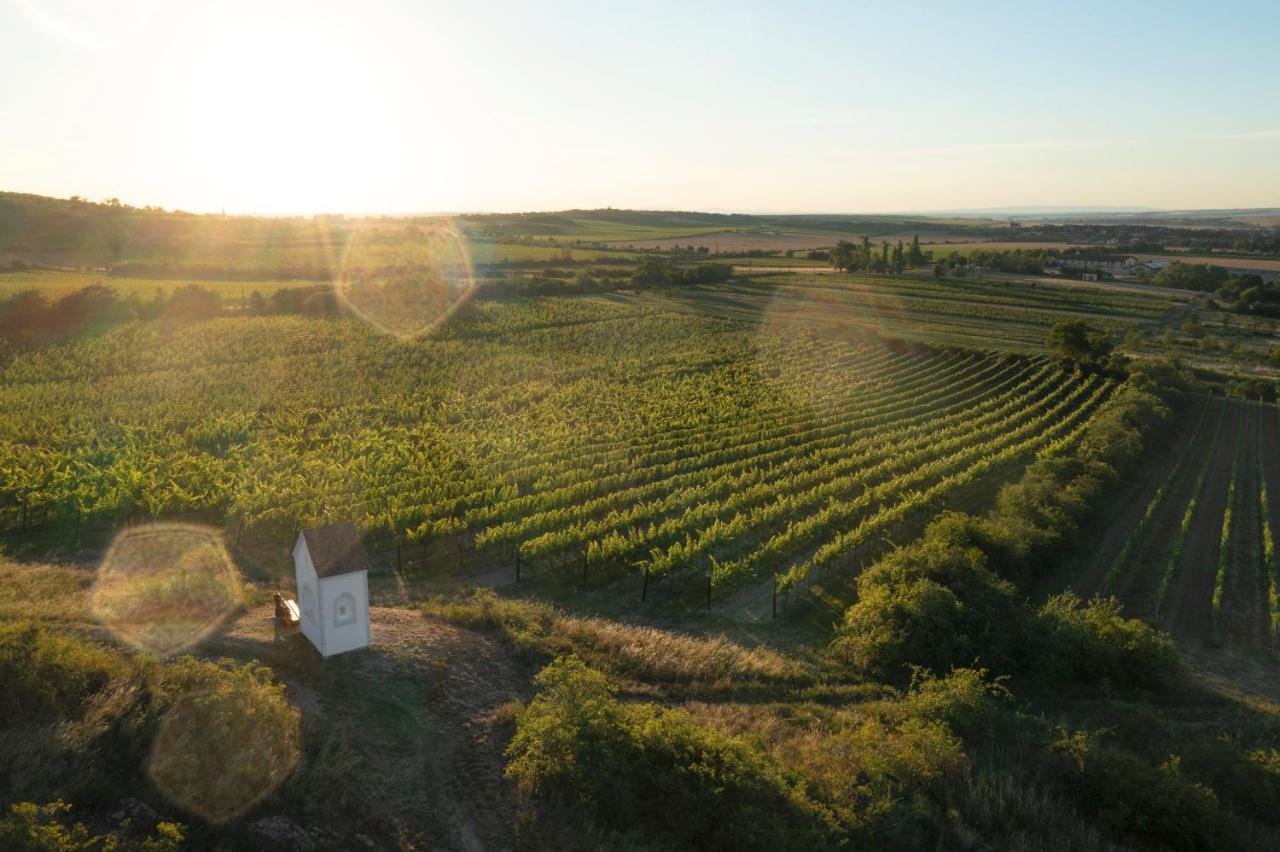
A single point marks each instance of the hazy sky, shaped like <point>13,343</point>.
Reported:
<point>788,106</point>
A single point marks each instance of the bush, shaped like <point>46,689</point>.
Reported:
<point>896,626</point>
<point>82,722</point>
<point>1153,805</point>
<point>933,605</point>
<point>966,699</point>
<point>1096,642</point>
<point>46,828</point>
<point>47,676</point>
<point>657,772</point>
<point>893,779</point>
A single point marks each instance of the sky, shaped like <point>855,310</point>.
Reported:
<point>400,106</point>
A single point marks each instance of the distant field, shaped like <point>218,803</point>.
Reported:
<point>770,240</point>
<point>486,253</point>
<point>738,241</point>
<point>566,227</point>
<point>55,283</point>
<point>1219,260</point>
<point>946,248</point>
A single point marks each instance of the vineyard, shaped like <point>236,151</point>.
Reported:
<point>583,438</point>
<point>1195,551</point>
<point>962,312</point>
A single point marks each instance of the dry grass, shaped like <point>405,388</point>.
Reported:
<point>36,592</point>
<point>666,655</point>
<point>630,650</point>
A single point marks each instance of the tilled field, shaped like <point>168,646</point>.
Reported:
<point>1193,550</point>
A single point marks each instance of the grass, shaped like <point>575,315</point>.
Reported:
<point>44,593</point>
<point>635,651</point>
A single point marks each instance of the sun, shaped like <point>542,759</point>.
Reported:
<point>288,118</point>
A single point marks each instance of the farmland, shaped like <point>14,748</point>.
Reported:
<point>788,523</point>
<point>749,450</point>
<point>1201,562</point>
<point>999,315</point>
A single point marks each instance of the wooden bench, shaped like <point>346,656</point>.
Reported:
<point>287,615</point>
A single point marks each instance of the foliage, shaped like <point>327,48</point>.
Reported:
<point>29,827</point>
<point>637,769</point>
<point>941,602</point>
<point>1080,344</point>
<point>1157,805</point>
<point>50,676</point>
<point>1095,641</point>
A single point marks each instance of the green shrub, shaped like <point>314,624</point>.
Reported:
<point>48,676</point>
<point>571,737</point>
<point>1246,779</point>
<point>895,777</point>
<point>934,605</point>
<point>655,772</point>
<point>966,699</point>
<point>86,723</point>
<point>29,827</point>
<point>228,737</point>
<point>34,828</point>
<point>1096,641</point>
<point>895,626</point>
<point>1154,805</point>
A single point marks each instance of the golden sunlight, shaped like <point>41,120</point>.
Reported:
<point>288,118</point>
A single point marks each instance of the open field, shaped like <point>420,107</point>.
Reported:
<point>1243,262</point>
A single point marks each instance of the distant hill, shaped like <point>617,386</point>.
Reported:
<point>152,242</point>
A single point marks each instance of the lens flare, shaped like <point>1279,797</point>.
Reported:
<point>220,751</point>
<point>813,321</point>
<point>406,289</point>
<point>163,588</point>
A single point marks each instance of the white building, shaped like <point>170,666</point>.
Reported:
<point>1116,264</point>
<point>332,573</point>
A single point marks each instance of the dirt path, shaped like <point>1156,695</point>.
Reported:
<point>1188,614</point>
<point>418,715</point>
<point>1138,493</point>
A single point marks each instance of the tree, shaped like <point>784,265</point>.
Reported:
<point>916,258</point>
<point>843,256</point>
<point>1081,344</point>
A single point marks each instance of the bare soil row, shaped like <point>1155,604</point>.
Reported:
<point>1216,576</point>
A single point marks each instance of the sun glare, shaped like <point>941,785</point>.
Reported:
<point>281,119</point>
